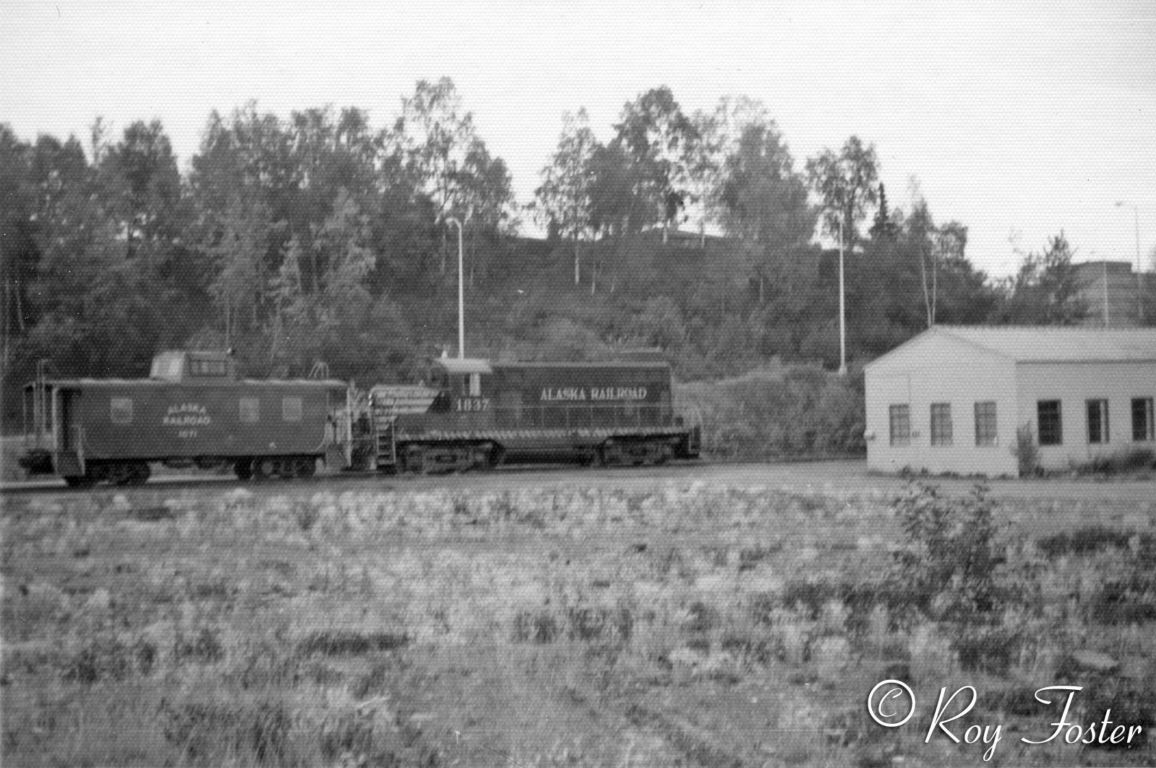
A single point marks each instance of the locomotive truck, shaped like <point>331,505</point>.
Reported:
<point>193,410</point>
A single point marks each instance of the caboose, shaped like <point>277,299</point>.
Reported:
<point>193,410</point>
<point>476,413</point>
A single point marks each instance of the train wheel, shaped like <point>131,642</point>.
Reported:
<point>497,454</point>
<point>265,468</point>
<point>413,460</point>
<point>120,473</point>
<point>304,466</point>
<point>138,473</point>
<point>243,469</point>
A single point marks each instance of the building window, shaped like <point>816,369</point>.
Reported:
<point>941,423</point>
<point>291,408</point>
<point>900,425</point>
<point>250,410</point>
<point>1097,421</point>
<point>1050,422</point>
<point>985,423</point>
<point>1143,428</point>
<point>120,410</point>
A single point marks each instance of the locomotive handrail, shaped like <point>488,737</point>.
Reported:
<point>545,416</point>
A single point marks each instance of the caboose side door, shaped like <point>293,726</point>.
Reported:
<point>69,440</point>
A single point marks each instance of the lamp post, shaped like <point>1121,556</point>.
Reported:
<point>842,321</point>
<point>461,294</point>
<point>1139,277</point>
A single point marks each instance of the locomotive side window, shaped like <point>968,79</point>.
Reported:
<point>250,410</point>
<point>120,410</point>
<point>475,381</point>
<point>291,408</point>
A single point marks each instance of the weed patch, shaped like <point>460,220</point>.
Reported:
<point>209,732</point>
<point>107,658</point>
<point>349,643</point>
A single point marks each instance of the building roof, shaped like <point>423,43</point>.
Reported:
<point>1051,344</point>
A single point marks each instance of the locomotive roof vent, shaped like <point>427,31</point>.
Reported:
<point>190,366</point>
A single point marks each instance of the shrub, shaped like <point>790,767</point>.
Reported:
<point>535,627</point>
<point>1026,451</point>
<point>334,642</point>
<point>207,731</point>
<point>948,567</point>
<point>104,657</point>
<point>1128,460</point>
<point>204,647</point>
<point>1083,541</point>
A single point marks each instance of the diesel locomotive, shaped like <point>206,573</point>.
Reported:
<point>194,410</point>
<point>477,413</point>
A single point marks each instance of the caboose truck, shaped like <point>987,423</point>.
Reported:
<point>191,411</point>
<point>475,413</point>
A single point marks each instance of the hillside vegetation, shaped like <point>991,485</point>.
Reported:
<point>319,238</point>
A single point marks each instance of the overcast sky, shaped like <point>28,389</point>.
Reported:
<point>1018,119</point>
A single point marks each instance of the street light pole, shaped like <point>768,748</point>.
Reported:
<point>461,294</point>
<point>1139,277</point>
<point>842,321</point>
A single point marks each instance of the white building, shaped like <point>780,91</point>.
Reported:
<point>952,398</point>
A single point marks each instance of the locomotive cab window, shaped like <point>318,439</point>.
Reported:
<point>291,408</point>
<point>120,410</point>
<point>474,381</point>
<point>249,410</point>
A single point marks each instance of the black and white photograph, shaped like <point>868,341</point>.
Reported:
<point>582,384</point>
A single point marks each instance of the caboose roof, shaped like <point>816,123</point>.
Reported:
<point>157,384</point>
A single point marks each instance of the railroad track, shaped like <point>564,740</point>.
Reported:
<point>523,474</point>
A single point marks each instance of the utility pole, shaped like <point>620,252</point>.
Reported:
<point>1139,276</point>
<point>461,294</point>
<point>842,319</point>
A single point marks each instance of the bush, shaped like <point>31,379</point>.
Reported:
<point>1085,540</point>
<point>951,571</point>
<point>779,412</point>
<point>207,731</point>
<point>1121,462</point>
<point>1026,451</point>
<point>348,643</point>
<point>107,658</point>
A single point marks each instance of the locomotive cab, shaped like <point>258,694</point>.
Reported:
<point>463,385</point>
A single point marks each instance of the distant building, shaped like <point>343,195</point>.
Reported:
<point>1110,289</point>
<point>952,398</point>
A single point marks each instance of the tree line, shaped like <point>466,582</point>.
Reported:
<point>318,237</point>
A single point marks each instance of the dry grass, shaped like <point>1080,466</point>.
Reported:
<point>683,624</point>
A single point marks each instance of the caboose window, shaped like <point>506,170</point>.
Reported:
<point>291,408</point>
<point>250,410</point>
<point>120,410</point>
<point>206,367</point>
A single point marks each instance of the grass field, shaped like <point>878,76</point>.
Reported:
<point>682,624</point>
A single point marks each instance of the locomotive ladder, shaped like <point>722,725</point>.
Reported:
<point>384,421</point>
